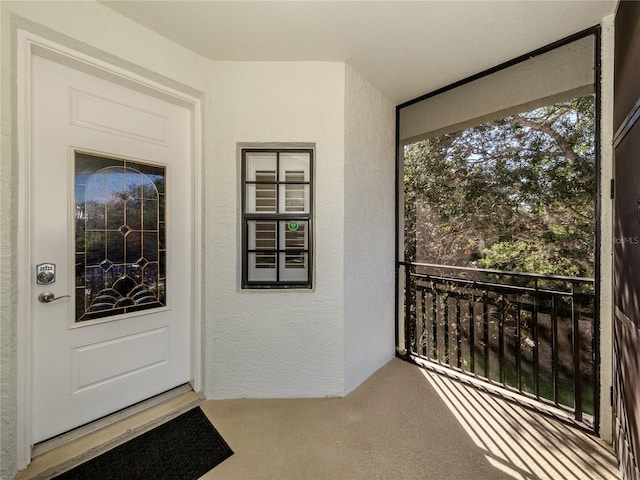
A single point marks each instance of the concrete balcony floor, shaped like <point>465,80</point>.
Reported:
<point>402,423</point>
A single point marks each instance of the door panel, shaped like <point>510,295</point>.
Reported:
<point>627,300</point>
<point>627,66</point>
<point>627,228</point>
<point>112,208</point>
<point>626,356</point>
<point>116,358</point>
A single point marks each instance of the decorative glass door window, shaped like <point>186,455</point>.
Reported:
<point>120,236</point>
<point>277,217</point>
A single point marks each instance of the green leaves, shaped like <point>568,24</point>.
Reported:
<point>514,194</point>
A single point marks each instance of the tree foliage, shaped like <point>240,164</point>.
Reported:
<point>516,194</point>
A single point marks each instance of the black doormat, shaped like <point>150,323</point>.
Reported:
<point>184,448</point>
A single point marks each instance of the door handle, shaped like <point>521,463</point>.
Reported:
<point>47,297</point>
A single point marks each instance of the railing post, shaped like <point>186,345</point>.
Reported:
<point>458,333</point>
<point>555,367</point>
<point>434,322</point>
<point>419,331</point>
<point>502,320</point>
<point>472,335</point>
<point>445,329</point>
<point>536,350</point>
<point>407,310</point>
<point>577,370</point>
<point>485,328</point>
<point>517,343</point>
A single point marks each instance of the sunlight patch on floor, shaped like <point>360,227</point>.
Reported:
<point>524,444</point>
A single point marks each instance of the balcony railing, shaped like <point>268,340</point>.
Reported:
<point>533,335</point>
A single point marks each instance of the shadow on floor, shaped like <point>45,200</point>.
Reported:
<point>402,423</point>
<point>525,444</point>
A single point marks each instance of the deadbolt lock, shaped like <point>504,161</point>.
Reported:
<point>45,273</point>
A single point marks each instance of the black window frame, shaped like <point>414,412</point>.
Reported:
<point>276,217</point>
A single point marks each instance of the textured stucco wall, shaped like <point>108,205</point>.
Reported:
<point>8,337</point>
<point>606,229</point>
<point>274,343</point>
<point>369,229</point>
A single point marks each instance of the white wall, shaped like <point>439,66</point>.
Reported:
<point>369,277</point>
<point>274,343</point>
<point>8,300</point>
<point>606,228</point>
<point>295,343</point>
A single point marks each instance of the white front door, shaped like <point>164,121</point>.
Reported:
<point>112,209</point>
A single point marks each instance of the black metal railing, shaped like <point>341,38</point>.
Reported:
<point>534,335</point>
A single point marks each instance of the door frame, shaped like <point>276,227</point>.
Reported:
<point>28,46</point>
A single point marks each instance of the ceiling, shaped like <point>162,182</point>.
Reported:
<point>403,48</point>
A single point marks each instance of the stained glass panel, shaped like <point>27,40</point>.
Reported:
<point>120,237</point>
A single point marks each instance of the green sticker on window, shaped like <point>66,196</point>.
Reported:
<point>293,226</point>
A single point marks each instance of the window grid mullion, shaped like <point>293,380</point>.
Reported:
<point>278,221</point>
<point>279,217</point>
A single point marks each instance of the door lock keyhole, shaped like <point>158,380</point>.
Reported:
<point>45,273</point>
<point>45,277</point>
